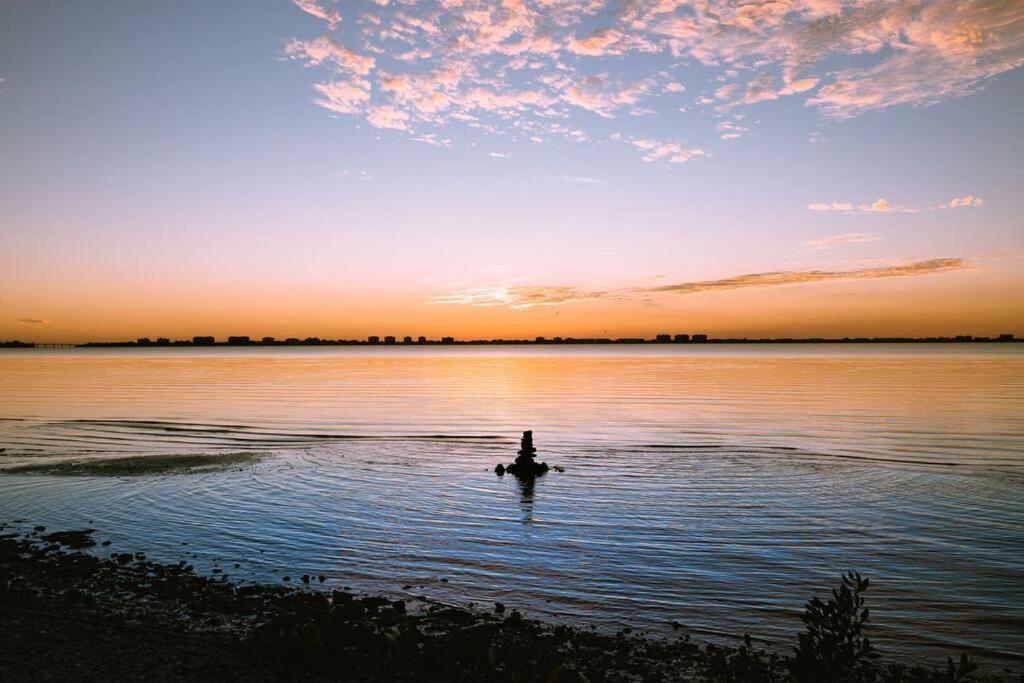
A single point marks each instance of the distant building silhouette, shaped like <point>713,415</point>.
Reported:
<point>407,340</point>
<point>373,339</point>
<point>1006,336</point>
<point>269,340</point>
<point>447,340</point>
<point>700,337</point>
<point>203,341</point>
<point>421,340</point>
<point>540,340</point>
<point>681,338</point>
<point>390,339</point>
<point>239,339</point>
<point>663,338</point>
<point>142,341</point>
<point>163,341</point>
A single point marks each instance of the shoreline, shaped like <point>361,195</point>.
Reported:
<point>72,612</point>
<point>569,341</point>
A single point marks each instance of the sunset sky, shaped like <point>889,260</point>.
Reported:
<point>510,169</point>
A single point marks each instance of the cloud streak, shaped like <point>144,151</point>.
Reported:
<point>523,297</point>
<point>516,297</point>
<point>878,206</point>
<point>798,277</point>
<point>839,240</point>
<point>33,321</point>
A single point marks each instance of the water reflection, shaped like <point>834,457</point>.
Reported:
<point>526,489</point>
<point>717,487</point>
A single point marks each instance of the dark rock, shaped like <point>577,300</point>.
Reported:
<point>525,466</point>
<point>499,469</point>
<point>499,608</point>
<point>72,539</point>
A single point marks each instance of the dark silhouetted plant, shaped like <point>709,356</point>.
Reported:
<point>961,671</point>
<point>834,648</point>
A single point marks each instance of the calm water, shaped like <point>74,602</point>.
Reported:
<point>717,486</point>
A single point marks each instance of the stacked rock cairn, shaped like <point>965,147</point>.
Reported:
<point>525,465</point>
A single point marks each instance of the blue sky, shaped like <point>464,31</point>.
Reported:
<point>462,164</point>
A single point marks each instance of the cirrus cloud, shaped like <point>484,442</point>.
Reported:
<point>523,297</point>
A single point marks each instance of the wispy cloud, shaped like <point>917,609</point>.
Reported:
<point>328,14</point>
<point>669,151</point>
<point>360,175</point>
<point>727,130</point>
<point>580,180</point>
<point>963,202</point>
<point>878,206</point>
<point>838,240</point>
<point>516,297</point>
<point>433,139</point>
<point>522,297</point>
<point>34,321</point>
<point>500,155</point>
<point>795,277</point>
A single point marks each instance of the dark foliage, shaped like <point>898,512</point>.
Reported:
<point>834,648</point>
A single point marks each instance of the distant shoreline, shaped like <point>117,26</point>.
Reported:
<point>554,341</point>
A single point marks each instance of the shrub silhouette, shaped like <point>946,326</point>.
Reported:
<point>833,647</point>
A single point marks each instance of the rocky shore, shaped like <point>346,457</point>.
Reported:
<point>70,611</point>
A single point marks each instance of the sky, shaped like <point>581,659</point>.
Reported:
<point>509,169</point>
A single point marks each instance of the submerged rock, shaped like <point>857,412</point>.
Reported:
<point>77,540</point>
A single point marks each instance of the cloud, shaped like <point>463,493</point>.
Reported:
<point>330,15</point>
<point>581,180</point>
<point>343,97</point>
<point>961,202</point>
<point>730,131</point>
<point>327,50</point>
<point>386,116</point>
<point>361,175</point>
<point>936,51</point>
<point>668,151</point>
<point>793,277</point>
<point>837,240</point>
<point>527,66</point>
<point>433,139</point>
<point>500,155</point>
<point>522,297</point>
<point>34,321</point>
<point>516,297</point>
<point>878,206</point>
<point>598,43</point>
